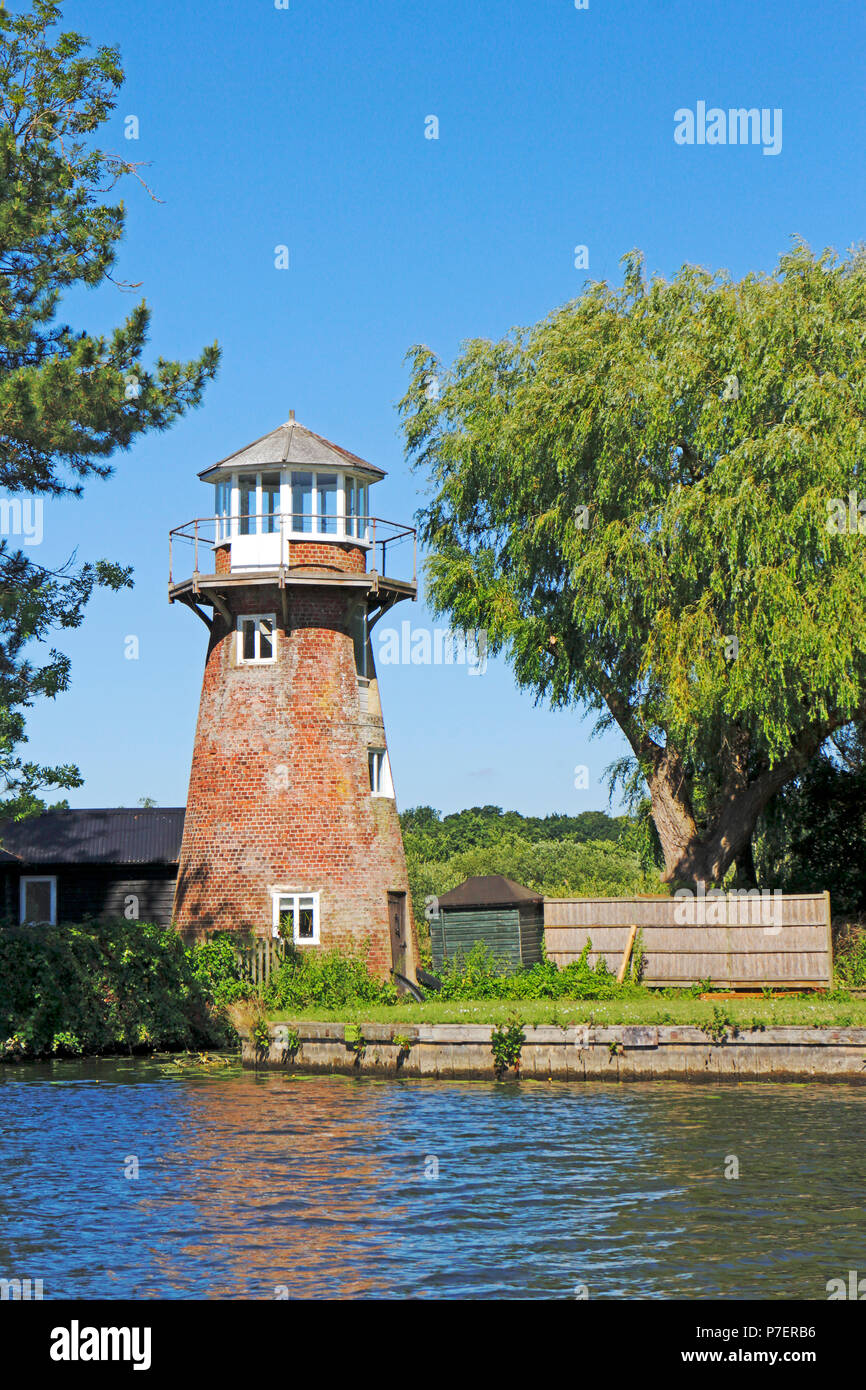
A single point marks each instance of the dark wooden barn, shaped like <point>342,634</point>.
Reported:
<point>505,916</point>
<point>65,866</point>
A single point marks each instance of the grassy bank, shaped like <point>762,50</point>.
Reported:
<point>333,987</point>
<point>808,1011</point>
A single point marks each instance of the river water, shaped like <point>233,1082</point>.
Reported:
<point>264,1185</point>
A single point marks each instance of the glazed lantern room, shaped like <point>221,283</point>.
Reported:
<point>290,486</point>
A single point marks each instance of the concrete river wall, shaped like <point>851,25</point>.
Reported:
<point>576,1053</point>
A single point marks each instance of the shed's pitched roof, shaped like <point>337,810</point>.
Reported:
<point>292,442</point>
<point>489,890</point>
<point>111,835</point>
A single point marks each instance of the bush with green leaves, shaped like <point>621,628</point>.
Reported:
<point>850,957</point>
<point>103,987</point>
<point>216,966</point>
<point>479,975</point>
<point>329,978</point>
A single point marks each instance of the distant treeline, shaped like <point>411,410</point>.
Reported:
<point>592,853</point>
<point>443,836</point>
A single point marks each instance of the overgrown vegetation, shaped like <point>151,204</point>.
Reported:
<point>479,975</point>
<point>850,956</point>
<point>134,987</point>
<point>107,987</point>
<point>720,1027</point>
<point>330,978</point>
<point>813,834</point>
<point>355,1041</point>
<point>506,1044</point>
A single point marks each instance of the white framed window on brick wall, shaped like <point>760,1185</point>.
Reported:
<point>38,899</point>
<point>296,916</point>
<point>257,639</point>
<point>380,772</point>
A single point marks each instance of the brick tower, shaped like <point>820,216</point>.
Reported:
<point>291,822</point>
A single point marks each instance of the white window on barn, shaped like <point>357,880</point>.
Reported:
<point>257,639</point>
<point>296,917</point>
<point>380,772</point>
<point>38,905</point>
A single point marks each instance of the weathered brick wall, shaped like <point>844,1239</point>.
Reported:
<point>279,790</point>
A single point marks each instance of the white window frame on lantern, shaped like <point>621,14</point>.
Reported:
<point>290,900</point>
<point>51,919</point>
<point>248,513</point>
<point>379,768</point>
<point>257,659</point>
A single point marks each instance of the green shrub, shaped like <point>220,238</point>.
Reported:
<point>329,978</point>
<point>506,1044</point>
<point>102,987</point>
<point>216,966</point>
<point>850,957</point>
<point>479,975</point>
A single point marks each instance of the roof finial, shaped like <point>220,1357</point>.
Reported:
<point>291,415</point>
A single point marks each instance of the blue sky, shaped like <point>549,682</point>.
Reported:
<point>305,127</point>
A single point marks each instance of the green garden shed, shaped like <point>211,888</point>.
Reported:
<point>505,916</point>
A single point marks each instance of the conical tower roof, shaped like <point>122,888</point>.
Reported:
<point>291,443</point>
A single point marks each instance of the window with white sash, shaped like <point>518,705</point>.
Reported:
<point>296,917</point>
<point>257,639</point>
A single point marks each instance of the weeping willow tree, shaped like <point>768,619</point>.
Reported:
<point>649,501</point>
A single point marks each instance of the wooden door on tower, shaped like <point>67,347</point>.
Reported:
<point>397,920</point>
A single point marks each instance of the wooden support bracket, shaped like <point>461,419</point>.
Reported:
<point>221,606</point>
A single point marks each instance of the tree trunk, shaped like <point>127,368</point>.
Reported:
<point>746,874</point>
<point>692,858</point>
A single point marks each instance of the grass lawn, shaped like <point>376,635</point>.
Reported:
<point>811,1010</point>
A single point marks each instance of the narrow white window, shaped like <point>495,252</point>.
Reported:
<point>223,509</point>
<point>296,917</point>
<point>351,525</point>
<point>257,639</point>
<point>327,504</point>
<point>380,772</point>
<point>270,519</point>
<point>359,641</point>
<point>249,506</point>
<point>39,900</point>
<point>302,502</point>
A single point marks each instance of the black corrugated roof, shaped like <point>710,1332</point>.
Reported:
<point>109,835</point>
<point>489,890</point>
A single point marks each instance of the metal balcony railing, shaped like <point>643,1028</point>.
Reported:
<point>267,540</point>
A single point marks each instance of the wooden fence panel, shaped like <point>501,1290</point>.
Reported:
<point>732,940</point>
<point>257,958</point>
